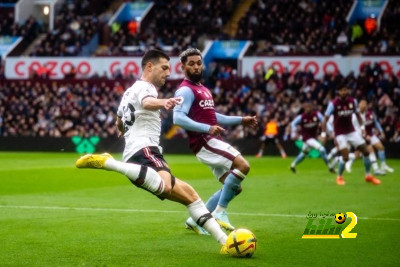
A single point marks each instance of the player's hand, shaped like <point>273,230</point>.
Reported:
<point>382,136</point>
<point>120,127</point>
<point>216,130</point>
<point>249,121</point>
<point>170,103</point>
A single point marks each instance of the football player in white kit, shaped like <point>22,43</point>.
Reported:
<point>371,124</point>
<point>139,122</point>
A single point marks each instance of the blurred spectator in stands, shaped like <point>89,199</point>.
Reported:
<point>370,24</point>
<point>396,136</point>
<point>342,43</point>
<point>356,32</point>
<point>71,73</point>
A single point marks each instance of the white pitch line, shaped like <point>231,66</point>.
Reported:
<point>170,211</point>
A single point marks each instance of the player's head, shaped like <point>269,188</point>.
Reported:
<point>343,91</point>
<point>156,67</point>
<point>308,107</point>
<point>192,64</point>
<point>362,106</point>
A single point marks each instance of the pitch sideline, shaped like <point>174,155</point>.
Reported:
<point>170,211</point>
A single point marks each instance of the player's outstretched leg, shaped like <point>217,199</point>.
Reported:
<point>300,157</point>
<point>334,151</point>
<point>350,162</point>
<point>374,163</point>
<point>211,204</point>
<point>185,194</point>
<point>229,190</point>
<point>369,178</point>
<point>93,161</point>
<point>382,158</point>
<point>339,178</point>
<point>322,153</point>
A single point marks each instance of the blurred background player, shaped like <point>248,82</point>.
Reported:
<point>371,126</point>
<point>139,122</point>
<point>342,108</point>
<point>271,136</point>
<point>309,122</point>
<point>196,114</point>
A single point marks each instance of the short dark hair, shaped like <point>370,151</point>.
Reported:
<point>153,56</point>
<point>189,52</point>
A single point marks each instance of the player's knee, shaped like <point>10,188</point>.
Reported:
<point>167,188</point>
<point>243,166</point>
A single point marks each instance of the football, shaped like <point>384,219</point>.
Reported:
<point>241,243</point>
<point>340,218</point>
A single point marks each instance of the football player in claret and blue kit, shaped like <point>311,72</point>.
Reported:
<point>342,108</point>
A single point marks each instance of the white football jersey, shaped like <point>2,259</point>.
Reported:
<point>142,127</point>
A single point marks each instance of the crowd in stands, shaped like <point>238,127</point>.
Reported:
<point>33,108</point>
<point>75,25</point>
<point>29,108</point>
<point>175,26</point>
<point>29,30</point>
<point>276,27</point>
<point>386,40</point>
<point>297,27</point>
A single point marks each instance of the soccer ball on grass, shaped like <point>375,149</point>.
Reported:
<point>241,243</point>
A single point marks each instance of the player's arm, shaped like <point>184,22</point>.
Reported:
<point>361,123</point>
<point>120,126</point>
<point>379,127</point>
<point>328,112</point>
<point>152,103</point>
<point>293,126</point>
<point>181,112</point>
<point>249,121</point>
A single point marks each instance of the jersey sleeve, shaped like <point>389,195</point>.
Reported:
<point>320,116</point>
<point>355,105</point>
<point>181,112</point>
<point>187,98</point>
<point>295,122</point>
<point>377,124</point>
<point>228,120</point>
<point>146,91</point>
<point>329,109</point>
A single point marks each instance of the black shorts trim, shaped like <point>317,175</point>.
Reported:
<point>150,157</point>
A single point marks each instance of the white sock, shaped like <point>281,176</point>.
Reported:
<point>148,178</point>
<point>128,169</point>
<point>372,159</point>
<point>202,217</point>
<point>332,153</point>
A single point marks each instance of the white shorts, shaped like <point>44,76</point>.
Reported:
<point>311,143</point>
<point>354,139</point>
<point>218,155</point>
<point>374,140</point>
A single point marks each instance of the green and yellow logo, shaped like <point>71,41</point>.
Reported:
<point>329,225</point>
<point>85,145</point>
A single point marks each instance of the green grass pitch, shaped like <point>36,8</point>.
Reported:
<point>52,214</point>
